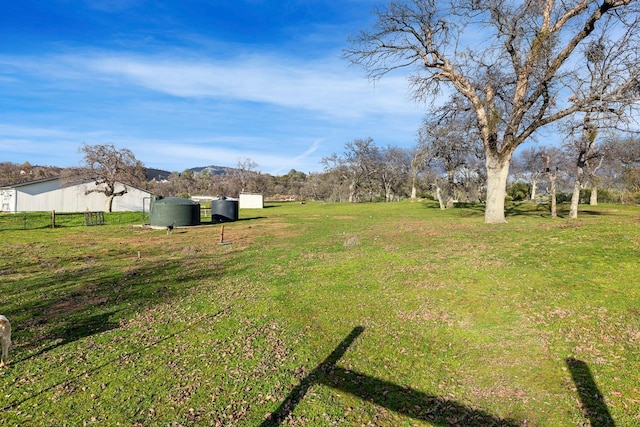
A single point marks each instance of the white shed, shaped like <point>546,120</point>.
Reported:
<point>251,201</point>
<point>50,194</point>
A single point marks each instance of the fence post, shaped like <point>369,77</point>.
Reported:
<point>53,218</point>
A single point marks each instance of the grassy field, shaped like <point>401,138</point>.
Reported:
<point>392,314</point>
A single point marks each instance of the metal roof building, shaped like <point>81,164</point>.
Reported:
<point>50,194</point>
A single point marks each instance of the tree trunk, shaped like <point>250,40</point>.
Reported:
<point>388,192</point>
<point>593,199</point>
<point>554,204</point>
<point>439,197</point>
<point>414,191</point>
<point>534,185</point>
<point>497,173</point>
<point>109,203</point>
<point>575,197</point>
<point>450,203</point>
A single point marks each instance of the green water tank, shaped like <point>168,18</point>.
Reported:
<point>224,210</point>
<point>174,210</point>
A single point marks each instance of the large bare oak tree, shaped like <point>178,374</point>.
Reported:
<point>518,65</point>
<point>111,169</point>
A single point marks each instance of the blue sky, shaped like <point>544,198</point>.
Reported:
<point>193,82</point>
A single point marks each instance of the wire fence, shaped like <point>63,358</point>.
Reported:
<point>42,220</point>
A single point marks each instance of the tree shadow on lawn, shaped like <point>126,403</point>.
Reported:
<point>249,218</point>
<point>21,399</point>
<point>594,407</point>
<point>464,209</point>
<point>403,400</point>
<point>527,208</point>
<point>69,331</point>
<point>515,209</point>
<point>511,209</point>
<point>520,209</point>
<point>436,410</point>
<point>593,212</point>
<point>61,308</point>
<point>477,210</point>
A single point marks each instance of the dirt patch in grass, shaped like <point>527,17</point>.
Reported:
<point>427,315</point>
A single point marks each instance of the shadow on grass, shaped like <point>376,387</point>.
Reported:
<point>251,218</point>
<point>69,332</point>
<point>21,400</point>
<point>594,407</point>
<point>464,209</point>
<point>510,210</point>
<point>403,400</point>
<point>70,304</point>
<point>592,212</point>
<point>526,208</point>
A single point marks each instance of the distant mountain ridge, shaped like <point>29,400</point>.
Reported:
<point>161,175</point>
<point>157,174</point>
<point>13,173</point>
<point>214,170</point>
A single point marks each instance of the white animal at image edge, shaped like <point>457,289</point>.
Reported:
<point>5,339</point>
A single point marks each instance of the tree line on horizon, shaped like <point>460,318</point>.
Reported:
<point>446,165</point>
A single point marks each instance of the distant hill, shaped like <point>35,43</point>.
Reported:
<point>13,173</point>
<point>157,174</point>
<point>215,170</point>
<point>160,175</point>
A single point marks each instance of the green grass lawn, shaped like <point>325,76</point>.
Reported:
<point>394,314</point>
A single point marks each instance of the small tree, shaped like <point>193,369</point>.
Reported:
<point>246,175</point>
<point>530,166</point>
<point>450,141</point>
<point>357,167</point>
<point>621,166</point>
<point>394,168</point>
<point>111,170</point>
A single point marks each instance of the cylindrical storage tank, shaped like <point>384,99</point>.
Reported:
<point>224,210</point>
<point>174,210</point>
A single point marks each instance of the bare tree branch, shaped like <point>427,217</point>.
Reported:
<point>109,168</point>
<point>531,78</point>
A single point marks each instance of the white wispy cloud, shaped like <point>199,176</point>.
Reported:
<point>62,147</point>
<point>203,153</point>
<point>326,85</point>
<point>300,110</point>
